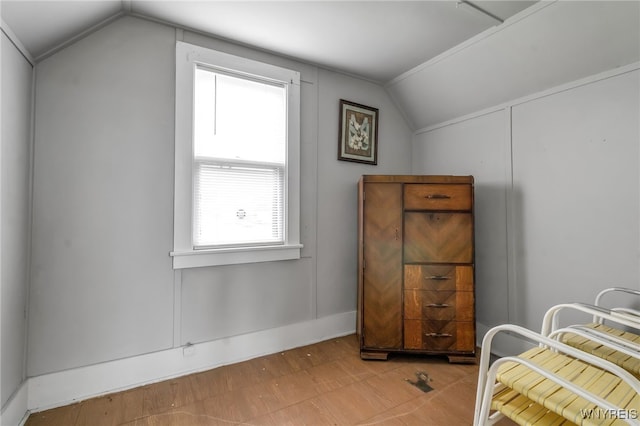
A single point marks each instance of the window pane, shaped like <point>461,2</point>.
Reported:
<point>239,118</point>
<point>238,205</point>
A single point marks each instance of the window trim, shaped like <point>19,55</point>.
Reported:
<point>184,255</point>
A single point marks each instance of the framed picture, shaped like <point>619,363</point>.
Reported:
<point>358,139</point>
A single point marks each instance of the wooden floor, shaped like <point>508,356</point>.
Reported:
<point>322,384</point>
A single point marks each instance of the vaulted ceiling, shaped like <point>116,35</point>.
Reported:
<point>438,59</point>
<point>376,40</point>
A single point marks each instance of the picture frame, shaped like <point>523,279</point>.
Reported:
<point>358,138</point>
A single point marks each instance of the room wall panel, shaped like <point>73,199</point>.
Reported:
<point>337,184</point>
<point>477,146</point>
<point>15,215</point>
<point>103,288</point>
<point>557,177</point>
<point>102,283</point>
<point>233,300</point>
<point>576,185</point>
<point>546,45</point>
<point>323,283</point>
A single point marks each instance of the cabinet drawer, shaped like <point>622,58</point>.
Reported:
<point>439,335</point>
<point>438,305</point>
<point>437,197</point>
<point>438,277</point>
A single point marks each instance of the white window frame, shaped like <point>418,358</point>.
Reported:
<point>184,255</point>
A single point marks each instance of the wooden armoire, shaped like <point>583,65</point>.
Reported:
<point>416,266</point>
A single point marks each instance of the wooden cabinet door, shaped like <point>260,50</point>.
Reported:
<point>438,237</point>
<point>382,273</point>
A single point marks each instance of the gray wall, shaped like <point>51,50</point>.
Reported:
<point>102,287</point>
<point>544,112</point>
<point>557,195</point>
<point>102,284</point>
<point>548,44</point>
<point>576,194</point>
<point>337,203</point>
<point>15,213</point>
<point>477,147</point>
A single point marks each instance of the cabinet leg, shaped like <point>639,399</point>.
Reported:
<point>462,359</point>
<point>382,356</point>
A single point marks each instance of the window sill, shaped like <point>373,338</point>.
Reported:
<point>234,256</point>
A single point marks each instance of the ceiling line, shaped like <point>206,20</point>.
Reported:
<point>604,75</point>
<point>473,40</point>
<point>475,8</point>
<point>254,48</point>
<point>127,6</point>
<point>13,38</point>
<point>92,29</point>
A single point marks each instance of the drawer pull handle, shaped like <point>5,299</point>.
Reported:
<point>437,197</point>
<point>438,305</point>
<point>438,278</point>
<point>438,335</point>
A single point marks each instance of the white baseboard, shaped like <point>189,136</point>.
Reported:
<point>16,410</point>
<point>65,387</point>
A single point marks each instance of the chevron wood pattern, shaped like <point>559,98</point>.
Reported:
<point>438,305</point>
<point>428,304</point>
<point>437,197</point>
<point>438,277</point>
<point>434,336</point>
<point>416,271</point>
<point>442,237</point>
<point>430,277</point>
<point>382,283</point>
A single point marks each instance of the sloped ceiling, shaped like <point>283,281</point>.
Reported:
<point>549,45</point>
<point>376,40</point>
<point>437,59</point>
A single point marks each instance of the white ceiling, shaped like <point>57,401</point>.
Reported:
<point>377,40</point>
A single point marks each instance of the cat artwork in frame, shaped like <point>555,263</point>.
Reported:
<point>358,139</point>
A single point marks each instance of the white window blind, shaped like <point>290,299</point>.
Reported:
<point>239,160</point>
<point>238,204</point>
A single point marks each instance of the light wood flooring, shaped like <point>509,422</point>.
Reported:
<point>321,384</point>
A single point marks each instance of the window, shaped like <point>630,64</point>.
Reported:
<point>237,160</point>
